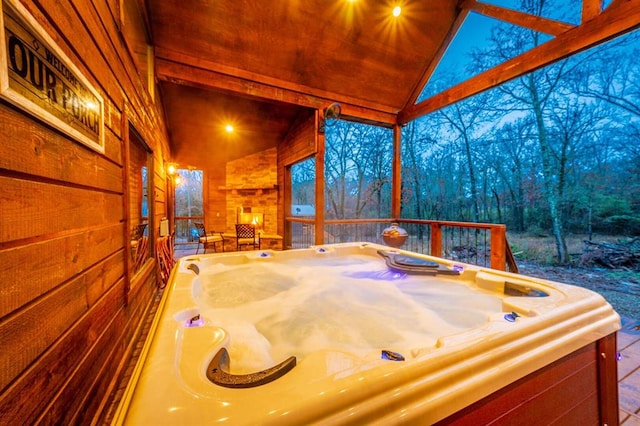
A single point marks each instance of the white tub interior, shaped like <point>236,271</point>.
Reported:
<point>335,308</point>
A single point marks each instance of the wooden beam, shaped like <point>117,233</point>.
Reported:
<point>196,76</point>
<point>532,22</point>
<point>436,59</point>
<point>591,9</point>
<point>609,24</point>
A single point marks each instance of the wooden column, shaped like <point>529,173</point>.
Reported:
<point>396,172</point>
<point>319,225</point>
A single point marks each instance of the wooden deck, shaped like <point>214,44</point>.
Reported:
<point>629,372</point>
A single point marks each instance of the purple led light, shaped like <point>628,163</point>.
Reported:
<point>386,275</point>
<point>195,321</point>
<point>511,317</point>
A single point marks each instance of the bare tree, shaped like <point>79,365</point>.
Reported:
<point>533,94</point>
<point>357,169</point>
<point>464,121</point>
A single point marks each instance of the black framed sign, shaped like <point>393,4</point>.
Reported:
<point>38,77</point>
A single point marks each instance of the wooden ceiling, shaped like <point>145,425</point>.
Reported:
<point>264,61</point>
<point>198,119</point>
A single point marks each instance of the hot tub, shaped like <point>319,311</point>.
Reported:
<point>360,333</point>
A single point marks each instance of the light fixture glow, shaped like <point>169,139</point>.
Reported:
<point>396,11</point>
<point>177,180</point>
<point>172,168</point>
<point>228,128</point>
<point>91,105</point>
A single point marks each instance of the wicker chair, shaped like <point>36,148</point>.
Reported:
<point>208,239</point>
<point>246,236</point>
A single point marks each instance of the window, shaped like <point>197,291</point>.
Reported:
<point>140,209</point>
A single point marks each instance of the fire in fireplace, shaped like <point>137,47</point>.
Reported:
<point>251,215</point>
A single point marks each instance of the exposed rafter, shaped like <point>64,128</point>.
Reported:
<point>438,56</point>
<point>591,9</point>
<point>532,22</point>
<point>194,76</point>
<point>618,19</point>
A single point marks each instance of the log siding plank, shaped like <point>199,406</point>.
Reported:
<point>34,209</point>
<point>27,334</point>
<point>29,272</point>
<point>40,152</point>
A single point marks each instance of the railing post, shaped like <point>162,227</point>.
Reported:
<point>436,240</point>
<point>498,252</point>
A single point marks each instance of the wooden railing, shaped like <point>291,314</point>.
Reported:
<point>482,244</point>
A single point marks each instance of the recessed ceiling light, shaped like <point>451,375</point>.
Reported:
<point>396,11</point>
<point>229,128</point>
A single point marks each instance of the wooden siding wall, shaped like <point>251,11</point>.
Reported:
<point>65,325</point>
<point>299,144</point>
<point>215,202</point>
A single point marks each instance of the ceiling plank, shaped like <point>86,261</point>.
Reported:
<point>609,24</point>
<point>181,73</point>
<point>221,69</point>
<point>532,22</point>
<point>591,9</point>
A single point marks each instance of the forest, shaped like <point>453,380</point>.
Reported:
<point>556,151</point>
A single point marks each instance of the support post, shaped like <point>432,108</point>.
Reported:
<point>319,196</point>
<point>436,240</point>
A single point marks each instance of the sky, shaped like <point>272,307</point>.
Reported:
<point>475,32</point>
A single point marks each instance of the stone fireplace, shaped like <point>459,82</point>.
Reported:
<point>252,192</point>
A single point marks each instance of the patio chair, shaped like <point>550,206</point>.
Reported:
<point>137,235</point>
<point>208,239</point>
<point>246,236</point>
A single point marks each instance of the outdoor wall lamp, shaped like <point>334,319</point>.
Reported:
<point>172,168</point>
<point>330,115</point>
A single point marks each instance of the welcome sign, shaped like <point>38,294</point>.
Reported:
<point>37,76</point>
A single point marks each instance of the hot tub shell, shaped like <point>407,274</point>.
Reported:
<point>555,361</point>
